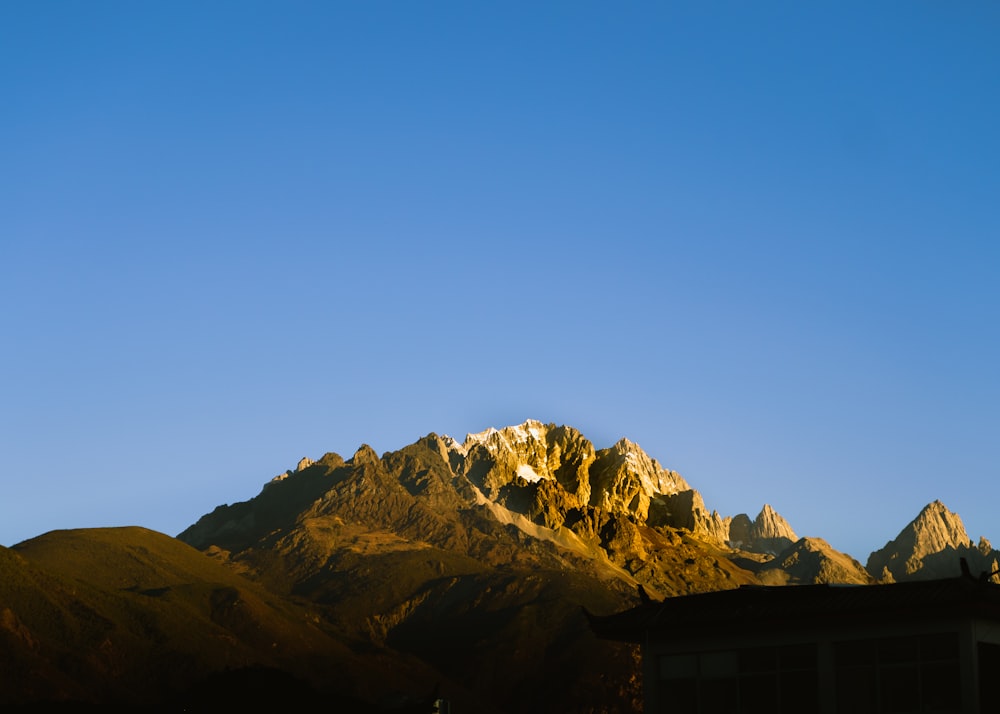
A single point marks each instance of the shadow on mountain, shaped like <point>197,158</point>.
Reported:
<point>947,563</point>
<point>751,565</point>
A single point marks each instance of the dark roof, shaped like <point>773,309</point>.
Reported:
<point>752,607</point>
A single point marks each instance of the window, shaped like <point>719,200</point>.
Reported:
<point>989,670</point>
<point>899,675</point>
<point>775,680</point>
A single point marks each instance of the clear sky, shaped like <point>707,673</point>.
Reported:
<point>760,239</point>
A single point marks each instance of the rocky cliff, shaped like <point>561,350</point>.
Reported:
<point>932,545</point>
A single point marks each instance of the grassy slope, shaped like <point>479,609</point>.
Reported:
<point>144,614</point>
<point>133,615</point>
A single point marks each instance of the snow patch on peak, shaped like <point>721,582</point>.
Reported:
<point>653,477</point>
<point>481,437</point>
<point>528,474</point>
<point>531,430</point>
<point>453,444</point>
<point>632,453</point>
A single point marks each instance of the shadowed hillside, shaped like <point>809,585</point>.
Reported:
<point>133,616</point>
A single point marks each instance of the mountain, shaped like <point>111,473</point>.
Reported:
<point>767,533</point>
<point>932,546</point>
<point>812,560</point>
<point>608,511</point>
<point>445,568</point>
<point>403,554</point>
<point>441,550</point>
<point>135,617</point>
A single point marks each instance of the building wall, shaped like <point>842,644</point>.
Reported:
<point>930,667</point>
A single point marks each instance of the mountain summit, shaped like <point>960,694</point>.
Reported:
<point>616,512</point>
<point>767,533</point>
<point>931,546</point>
<point>438,551</point>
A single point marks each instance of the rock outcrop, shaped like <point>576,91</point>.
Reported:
<point>931,546</point>
<point>768,533</point>
<point>687,510</point>
<point>553,474</point>
<point>625,479</point>
<point>503,463</point>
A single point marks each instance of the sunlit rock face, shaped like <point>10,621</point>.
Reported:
<point>526,454</point>
<point>624,479</point>
<point>517,465</point>
<point>619,509</point>
<point>932,545</point>
<point>554,475</point>
<point>771,532</point>
<point>768,533</point>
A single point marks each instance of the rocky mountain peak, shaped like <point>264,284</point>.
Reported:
<point>536,451</point>
<point>625,446</point>
<point>526,454</point>
<point>656,479</point>
<point>364,455</point>
<point>304,463</point>
<point>769,524</point>
<point>936,528</point>
<point>769,532</point>
<point>452,444</point>
<point>531,431</point>
<point>929,546</point>
<point>625,479</point>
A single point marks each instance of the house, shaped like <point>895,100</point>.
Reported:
<point>930,646</point>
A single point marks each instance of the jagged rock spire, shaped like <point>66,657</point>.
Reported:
<point>769,532</point>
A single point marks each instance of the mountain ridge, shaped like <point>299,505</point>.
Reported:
<point>554,478</point>
<point>463,568</point>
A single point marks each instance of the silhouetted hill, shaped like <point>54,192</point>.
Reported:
<point>135,617</point>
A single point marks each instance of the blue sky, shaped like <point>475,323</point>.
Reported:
<point>759,239</point>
